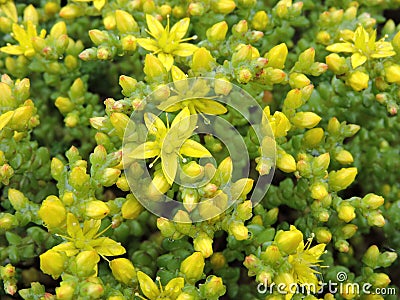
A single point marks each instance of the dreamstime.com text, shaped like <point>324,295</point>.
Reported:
<point>340,287</point>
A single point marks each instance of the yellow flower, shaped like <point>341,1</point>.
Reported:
<point>153,292</point>
<point>24,37</point>
<point>86,238</point>
<point>166,42</point>
<point>363,46</point>
<point>98,4</point>
<point>304,261</point>
<point>170,143</point>
<point>193,96</point>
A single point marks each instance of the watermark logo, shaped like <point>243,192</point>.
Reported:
<point>340,286</point>
<point>166,163</point>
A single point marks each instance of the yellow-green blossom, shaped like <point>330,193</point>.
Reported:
<point>363,46</point>
<point>166,42</point>
<point>152,292</point>
<point>304,261</point>
<point>87,238</point>
<point>194,96</point>
<point>170,143</point>
<point>24,37</point>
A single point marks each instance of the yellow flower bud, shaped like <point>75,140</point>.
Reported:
<point>119,121</point>
<point>159,186</point>
<point>244,75</point>
<point>213,287</point>
<point>333,126</point>
<point>21,117</point>
<point>125,22</point>
<point>131,208</point>
<point>109,176</point>
<point>31,15</point>
<point>92,288</point>
<point>7,221</point>
<point>153,67</point>
<point>371,256</point>
<point>71,11</point>
<point>202,60</point>
<point>344,157</point>
<point>223,6</point>
<point>71,62</point>
<point>396,42</point>
<point>323,37</point>
<point>65,291</point>
<point>336,63</point>
<point>323,235</point>
<point>288,241</point>
<point>128,43</point>
<point>218,260</point>
<point>271,255</point>
<point>318,191</point>
<point>128,84</point>
<point>56,168</point>
<point>110,22</point>
<point>167,228</point>
<point>375,218</point>
<point>122,183</point>
<point>348,231</point>
<point>17,199</point>
<point>339,180</point>
<point>148,287</point>
<point>260,20</point>
<point>123,270</point>
<point>346,212</point>
<point>217,32</point>
<point>52,212</point>
<point>244,210</point>
<point>86,262</point>
<point>52,263</point>
<point>392,73</point>
<point>96,209</point>
<point>78,177</point>
<point>192,267</point>
<point>165,10</point>
<point>372,201</point>
<point>285,162</point>
<point>241,27</point>
<point>183,223</point>
<point>305,119</point>
<point>222,86</point>
<point>298,80</point>
<point>239,231</point>
<point>293,99</point>
<point>313,137</point>
<point>379,280</point>
<point>64,105</point>
<point>358,80</point>
<point>203,244</point>
<point>98,37</point>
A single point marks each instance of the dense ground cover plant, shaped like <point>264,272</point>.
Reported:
<point>325,76</point>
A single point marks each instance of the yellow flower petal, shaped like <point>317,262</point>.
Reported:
<point>20,34</point>
<point>357,59</point>
<point>9,10</point>
<point>73,228</point>
<point>179,29</point>
<point>169,164</point>
<point>182,119</point>
<point>107,247</point>
<point>155,125</point>
<point>148,287</point>
<point>99,4</point>
<point>155,27</point>
<point>341,47</point>
<point>145,150</point>
<point>171,104</point>
<point>90,228</point>
<point>194,149</point>
<point>166,59</point>
<point>13,50</point>
<point>210,107</point>
<point>174,287</point>
<point>148,44</point>
<point>185,49</point>
<point>68,248</point>
<point>361,38</point>
<point>5,118</point>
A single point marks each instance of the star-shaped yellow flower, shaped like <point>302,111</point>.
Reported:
<point>166,42</point>
<point>170,143</point>
<point>363,46</point>
<point>191,94</point>
<point>87,238</point>
<point>24,37</point>
<point>152,292</point>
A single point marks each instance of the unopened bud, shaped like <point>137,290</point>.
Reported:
<point>203,244</point>
<point>223,6</point>
<point>123,270</point>
<point>288,241</point>
<point>52,212</point>
<point>339,180</point>
<point>131,208</point>
<point>217,32</point>
<point>358,80</point>
<point>346,212</point>
<point>52,263</point>
<point>306,119</point>
<point>96,209</point>
<point>125,22</point>
<point>344,157</point>
<point>260,20</point>
<point>192,267</point>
